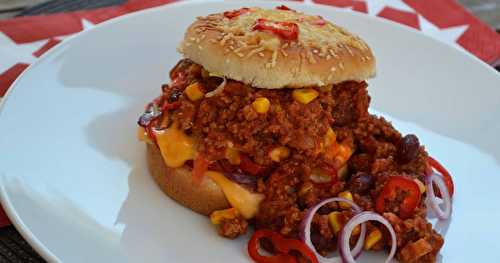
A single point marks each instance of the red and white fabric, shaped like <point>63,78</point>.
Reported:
<point>24,39</point>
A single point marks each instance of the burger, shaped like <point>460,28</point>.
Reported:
<point>265,123</point>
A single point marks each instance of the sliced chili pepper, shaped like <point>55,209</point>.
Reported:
<point>433,163</point>
<point>282,246</point>
<point>200,166</point>
<point>235,13</point>
<point>285,30</point>
<point>284,7</point>
<point>389,193</point>
<point>248,166</point>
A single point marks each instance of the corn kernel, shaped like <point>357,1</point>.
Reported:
<point>343,154</point>
<point>194,92</point>
<point>279,153</point>
<point>261,105</point>
<point>305,96</point>
<point>373,237</point>
<point>347,195</point>
<point>421,185</point>
<point>233,156</point>
<point>216,217</point>
<point>330,137</point>
<point>336,220</point>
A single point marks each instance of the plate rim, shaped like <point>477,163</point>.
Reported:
<point>5,201</point>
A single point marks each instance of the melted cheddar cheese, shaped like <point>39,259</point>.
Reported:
<point>246,202</point>
<point>175,146</point>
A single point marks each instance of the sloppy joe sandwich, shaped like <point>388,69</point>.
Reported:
<point>265,123</point>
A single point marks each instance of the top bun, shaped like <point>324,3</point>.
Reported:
<point>278,48</point>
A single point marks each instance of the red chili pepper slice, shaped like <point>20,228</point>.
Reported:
<point>282,246</point>
<point>235,13</point>
<point>285,30</point>
<point>200,166</point>
<point>284,7</point>
<point>248,166</point>
<point>389,193</point>
<point>433,163</point>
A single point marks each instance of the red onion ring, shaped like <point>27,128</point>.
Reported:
<point>361,218</point>
<point>434,202</point>
<point>305,226</point>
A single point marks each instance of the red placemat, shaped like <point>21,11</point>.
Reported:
<point>24,39</point>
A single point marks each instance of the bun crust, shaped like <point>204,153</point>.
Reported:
<point>177,183</point>
<point>323,53</point>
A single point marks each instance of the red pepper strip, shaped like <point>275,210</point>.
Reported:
<point>248,166</point>
<point>446,175</point>
<point>284,7</point>
<point>236,13</point>
<point>285,30</point>
<point>410,201</point>
<point>282,246</point>
<point>200,166</point>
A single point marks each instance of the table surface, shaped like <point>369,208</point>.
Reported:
<point>13,248</point>
<point>486,10</point>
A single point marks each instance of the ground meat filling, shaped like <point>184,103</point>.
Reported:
<point>377,152</point>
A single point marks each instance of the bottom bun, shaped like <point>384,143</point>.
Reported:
<point>177,183</point>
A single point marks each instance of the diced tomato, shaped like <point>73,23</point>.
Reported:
<point>411,195</point>
<point>200,166</point>
<point>285,30</point>
<point>433,163</point>
<point>235,13</point>
<point>282,246</point>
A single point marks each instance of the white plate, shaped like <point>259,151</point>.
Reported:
<point>74,177</point>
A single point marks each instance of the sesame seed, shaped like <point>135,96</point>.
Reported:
<point>255,51</point>
<point>261,54</point>
<point>341,65</point>
<point>328,57</point>
<point>240,54</point>
<point>192,38</point>
<point>200,47</point>
<point>283,52</point>
<point>333,69</point>
<point>315,51</point>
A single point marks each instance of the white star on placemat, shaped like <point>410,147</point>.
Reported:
<point>375,6</point>
<point>13,53</point>
<point>448,35</point>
